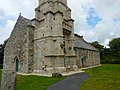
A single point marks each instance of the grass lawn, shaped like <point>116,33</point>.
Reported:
<point>105,77</point>
<point>0,74</point>
<point>35,82</point>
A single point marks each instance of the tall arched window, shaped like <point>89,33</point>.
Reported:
<point>17,64</point>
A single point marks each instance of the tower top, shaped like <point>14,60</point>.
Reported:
<point>43,1</point>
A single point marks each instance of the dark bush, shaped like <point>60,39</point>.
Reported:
<point>1,66</point>
<point>111,60</point>
<point>56,75</point>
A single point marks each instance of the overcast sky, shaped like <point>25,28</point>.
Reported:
<point>96,20</point>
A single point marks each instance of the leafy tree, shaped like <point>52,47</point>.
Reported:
<point>97,45</point>
<point>115,50</point>
<point>109,55</point>
<point>100,48</point>
<point>115,44</point>
<point>2,46</point>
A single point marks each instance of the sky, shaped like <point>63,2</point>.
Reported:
<point>95,20</point>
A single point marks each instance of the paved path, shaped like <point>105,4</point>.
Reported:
<point>72,82</point>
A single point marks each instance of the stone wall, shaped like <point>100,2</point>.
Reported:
<point>8,81</point>
<point>90,57</point>
<point>15,49</point>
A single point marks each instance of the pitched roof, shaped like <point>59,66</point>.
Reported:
<point>81,43</point>
<point>28,21</point>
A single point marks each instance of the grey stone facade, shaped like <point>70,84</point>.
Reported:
<point>86,54</point>
<point>46,44</point>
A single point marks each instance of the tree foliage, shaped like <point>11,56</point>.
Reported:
<point>109,55</point>
<point>97,45</point>
<point>115,44</point>
<point>2,46</point>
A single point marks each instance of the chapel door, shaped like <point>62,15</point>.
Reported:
<point>17,64</point>
<point>82,61</point>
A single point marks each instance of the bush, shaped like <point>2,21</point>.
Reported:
<point>56,75</point>
<point>1,66</point>
<point>110,61</point>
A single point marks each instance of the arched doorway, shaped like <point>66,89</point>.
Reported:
<point>83,60</point>
<point>17,64</point>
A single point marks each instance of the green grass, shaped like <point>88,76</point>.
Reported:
<point>105,77</point>
<point>0,75</point>
<point>35,82</point>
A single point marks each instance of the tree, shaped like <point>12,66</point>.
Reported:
<point>115,44</point>
<point>115,50</point>
<point>105,55</point>
<point>2,46</point>
<point>109,55</point>
<point>97,45</point>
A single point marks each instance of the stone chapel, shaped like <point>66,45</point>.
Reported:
<point>47,44</point>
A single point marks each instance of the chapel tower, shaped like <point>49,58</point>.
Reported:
<point>53,37</point>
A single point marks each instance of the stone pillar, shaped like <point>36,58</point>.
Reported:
<point>58,23</point>
<point>30,46</point>
<point>37,13</point>
<point>8,80</point>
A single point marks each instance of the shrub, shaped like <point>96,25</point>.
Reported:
<point>56,75</point>
<point>1,66</point>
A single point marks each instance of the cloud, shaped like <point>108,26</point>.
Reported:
<point>105,21</point>
<point>92,18</point>
<point>6,30</point>
<point>108,8</point>
<point>9,11</point>
<point>96,20</point>
<point>78,13</point>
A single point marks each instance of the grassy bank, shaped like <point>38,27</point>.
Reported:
<point>105,77</point>
<point>0,77</point>
<point>34,82</point>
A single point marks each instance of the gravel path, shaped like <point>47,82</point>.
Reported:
<point>72,82</point>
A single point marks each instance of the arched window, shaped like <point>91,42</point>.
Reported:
<point>17,64</point>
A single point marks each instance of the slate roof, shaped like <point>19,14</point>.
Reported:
<point>81,43</point>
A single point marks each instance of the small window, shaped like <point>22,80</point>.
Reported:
<point>54,40</point>
<point>70,48</point>
<point>62,46</point>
